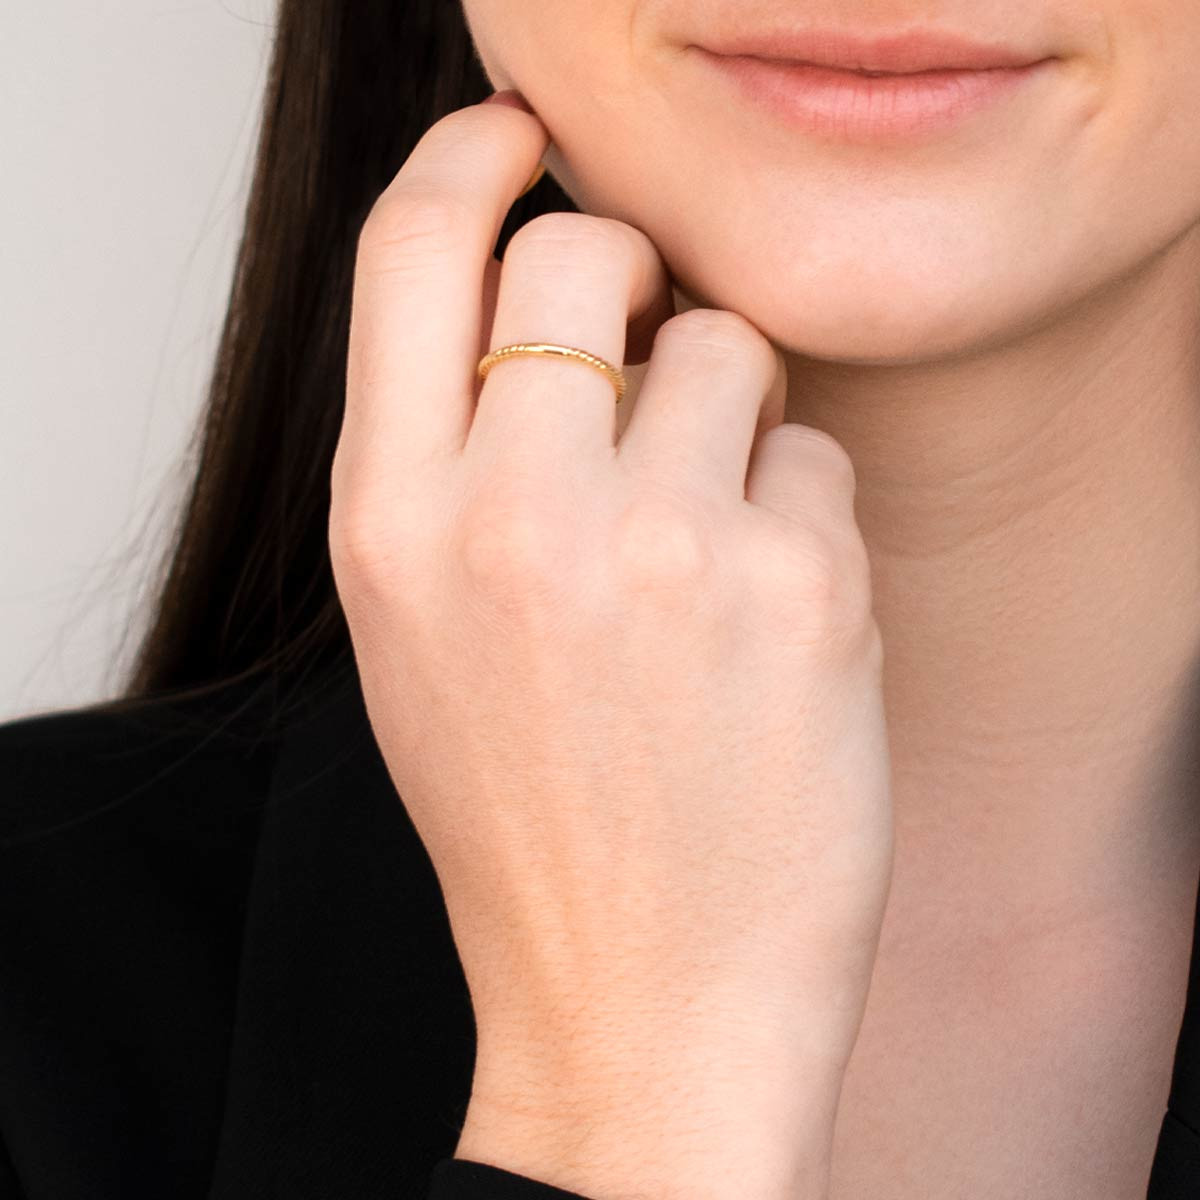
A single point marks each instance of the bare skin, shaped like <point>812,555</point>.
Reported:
<point>1037,1070</point>
<point>1000,330</point>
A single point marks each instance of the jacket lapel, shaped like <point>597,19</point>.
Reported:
<point>353,1044</point>
<point>1176,1171</point>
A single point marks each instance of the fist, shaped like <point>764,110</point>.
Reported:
<point>627,687</point>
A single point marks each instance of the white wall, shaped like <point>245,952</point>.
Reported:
<point>126,128</point>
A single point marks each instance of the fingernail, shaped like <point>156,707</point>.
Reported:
<point>541,170</point>
<point>510,97</point>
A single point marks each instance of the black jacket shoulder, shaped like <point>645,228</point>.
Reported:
<point>64,767</point>
<point>127,841</point>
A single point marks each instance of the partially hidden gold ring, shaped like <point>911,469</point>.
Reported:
<point>615,375</point>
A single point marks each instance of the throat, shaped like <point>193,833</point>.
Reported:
<point>1045,1063</point>
<point>1019,858</point>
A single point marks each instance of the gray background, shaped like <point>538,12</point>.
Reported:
<point>126,128</point>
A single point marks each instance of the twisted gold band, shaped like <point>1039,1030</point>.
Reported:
<point>615,374</point>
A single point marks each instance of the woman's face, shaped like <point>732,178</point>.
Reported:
<point>860,245</point>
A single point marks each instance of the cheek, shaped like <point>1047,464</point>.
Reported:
<point>1154,110</point>
<point>564,55</point>
<point>1135,178</point>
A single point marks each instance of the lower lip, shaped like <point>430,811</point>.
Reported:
<point>849,106</point>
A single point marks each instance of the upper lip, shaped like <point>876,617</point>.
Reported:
<point>900,53</point>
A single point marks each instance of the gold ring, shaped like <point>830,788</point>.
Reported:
<point>615,375</point>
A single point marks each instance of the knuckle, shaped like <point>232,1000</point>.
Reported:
<point>352,539</point>
<point>510,540</point>
<point>410,226</point>
<point>720,335</point>
<point>811,586</point>
<point>363,516</point>
<point>809,575</point>
<point>363,556</point>
<point>854,561</point>
<point>722,331</point>
<point>660,544</point>
<point>809,444</point>
<point>874,651</point>
<point>553,236</point>
<point>375,533</point>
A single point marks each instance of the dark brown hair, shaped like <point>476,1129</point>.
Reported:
<point>245,593</point>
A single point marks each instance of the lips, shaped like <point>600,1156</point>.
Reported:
<point>845,89</point>
<point>901,53</point>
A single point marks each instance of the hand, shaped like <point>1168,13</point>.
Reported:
<point>630,694</point>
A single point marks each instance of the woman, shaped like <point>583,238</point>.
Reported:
<point>906,303</point>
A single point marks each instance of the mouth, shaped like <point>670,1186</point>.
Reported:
<point>893,54</point>
<point>841,87</point>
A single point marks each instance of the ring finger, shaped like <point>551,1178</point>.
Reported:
<point>573,280</point>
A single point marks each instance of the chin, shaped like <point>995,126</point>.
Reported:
<point>881,331</point>
<point>901,319</point>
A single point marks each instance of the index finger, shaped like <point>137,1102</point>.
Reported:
<point>416,304</point>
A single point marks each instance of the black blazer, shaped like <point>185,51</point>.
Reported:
<point>226,970</point>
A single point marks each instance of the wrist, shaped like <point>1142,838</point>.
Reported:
<point>645,1126</point>
<point>607,1161</point>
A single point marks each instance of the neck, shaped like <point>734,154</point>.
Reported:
<point>1032,514</point>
